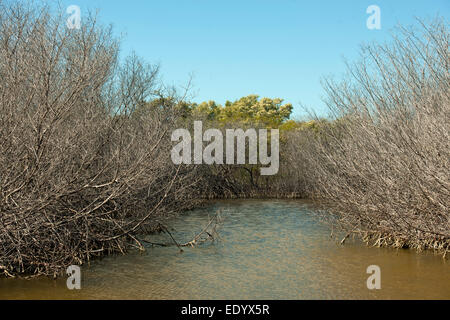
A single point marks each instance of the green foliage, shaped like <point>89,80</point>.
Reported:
<point>251,109</point>
<point>208,110</point>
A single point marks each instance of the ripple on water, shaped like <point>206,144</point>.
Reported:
<point>271,249</point>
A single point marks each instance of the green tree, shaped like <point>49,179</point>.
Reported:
<point>270,112</point>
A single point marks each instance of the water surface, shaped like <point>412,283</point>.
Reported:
<point>272,249</point>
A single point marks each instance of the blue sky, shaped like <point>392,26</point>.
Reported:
<point>272,48</point>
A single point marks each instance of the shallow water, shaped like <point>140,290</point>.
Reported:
<point>268,250</point>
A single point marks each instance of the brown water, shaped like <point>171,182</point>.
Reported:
<point>269,250</point>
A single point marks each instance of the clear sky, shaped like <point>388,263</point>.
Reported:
<point>273,48</point>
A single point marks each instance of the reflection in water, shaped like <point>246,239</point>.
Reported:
<point>268,250</point>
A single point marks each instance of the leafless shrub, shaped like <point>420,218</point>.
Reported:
<point>81,173</point>
<point>383,164</point>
